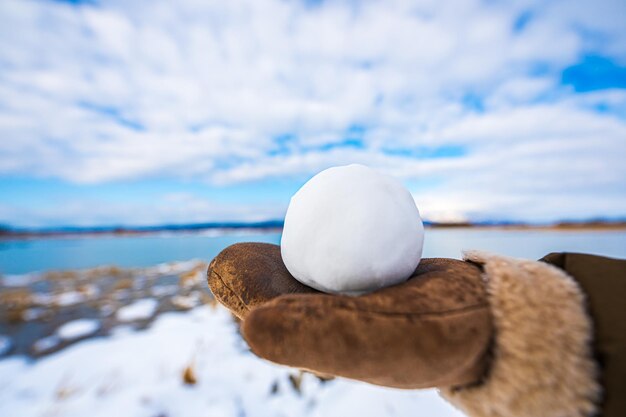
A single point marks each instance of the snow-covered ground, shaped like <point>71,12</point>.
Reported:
<point>78,328</point>
<point>138,310</point>
<point>143,373</point>
<point>5,344</point>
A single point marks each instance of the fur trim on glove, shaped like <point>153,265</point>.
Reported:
<point>542,359</point>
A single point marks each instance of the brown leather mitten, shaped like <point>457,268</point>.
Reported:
<point>434,330</point>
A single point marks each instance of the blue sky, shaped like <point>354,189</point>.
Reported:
<point>135,112</point>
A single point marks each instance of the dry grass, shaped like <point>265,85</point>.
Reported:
<point>65,390</point>
<point>189,375</point>
<point>13,303</point>
<point>61,275</point>
<point>296,381</point>
<point>123,284</point>
<point>102,290</point>
<point>190,279</point>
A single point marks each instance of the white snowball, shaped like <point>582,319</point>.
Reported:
<point>351,230</point>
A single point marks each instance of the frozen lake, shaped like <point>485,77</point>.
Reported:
<point>17,257</point>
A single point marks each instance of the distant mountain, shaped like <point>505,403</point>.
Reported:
<point>8,232</point>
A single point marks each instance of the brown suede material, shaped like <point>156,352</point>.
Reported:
<point>396,350</point>
<point>245,275</point>
<point>433,330</point>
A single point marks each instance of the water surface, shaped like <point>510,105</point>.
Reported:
<point>17,257</point>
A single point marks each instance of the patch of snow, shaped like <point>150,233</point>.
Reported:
<point>364,218</point>
<point>186,302</point>
<point>106,310</point>
<point>122,329</point>
<point>13,365</point>
<point>21,280</point>
<point>162,269</point>
<point>184,266</point>
<point>191,279</point>
<point>69,298</point>
<point>90,291</point>
<point>138,310</point>
<point>163,290</point>
<point>5,344</point>
<point>121,294</point>
<point>32,313</point>
<point>43,299</point>
<point>45,344</point>
<point>78,328</point>
<point>140,374</point>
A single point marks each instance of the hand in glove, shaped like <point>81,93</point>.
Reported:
<point>433,330</point>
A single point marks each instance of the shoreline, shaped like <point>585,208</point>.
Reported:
<point>44,312</point>
<point>210,232</point>
<point>548,228</point>
<point>223,231</point>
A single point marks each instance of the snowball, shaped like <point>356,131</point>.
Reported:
<point>352,230</point>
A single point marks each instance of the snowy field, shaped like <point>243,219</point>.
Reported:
<point>187,364</point>
<point>153,342</point>
<point>147,339</point>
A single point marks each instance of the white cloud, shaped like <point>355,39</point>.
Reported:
<point>179,208</point>
<point>195,89</point>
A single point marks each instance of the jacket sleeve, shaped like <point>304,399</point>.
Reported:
<point>603,280</point>
<point>542,361</point>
